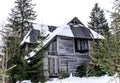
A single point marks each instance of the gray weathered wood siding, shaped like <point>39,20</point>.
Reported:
<point>65,59</point>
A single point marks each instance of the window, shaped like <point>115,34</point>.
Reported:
<point>66,46</point>
<point>81,45</point>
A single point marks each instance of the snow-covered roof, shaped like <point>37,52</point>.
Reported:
<point>37,30</point>
<point>65,30</point>
<point>26,38</point>
<point>60,31</point>
<point>42,28</point>
<point>95,35</point>
<point>68,30</point>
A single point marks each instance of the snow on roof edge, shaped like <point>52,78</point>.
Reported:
<point>95,35</point>
<point>50,37</point>
<point>24,39</point>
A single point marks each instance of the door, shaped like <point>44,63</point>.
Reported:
<point>53,63</point>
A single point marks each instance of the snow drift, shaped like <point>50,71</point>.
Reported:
<point>72,79</point>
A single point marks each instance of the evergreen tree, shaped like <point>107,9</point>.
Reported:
<point>115,25</point>
<point>102,56</point>
<point>107,56</point>
<point>10,50</point>
<point>20,22</point>
<point>101,62</point>
<point>5,56</point>
<point>13,51</point>
<point>35,71</point>
<point>26,69</point>
<point>22,16</point>
<point>98,21</point>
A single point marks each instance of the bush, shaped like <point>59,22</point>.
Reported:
<point>86,70</point>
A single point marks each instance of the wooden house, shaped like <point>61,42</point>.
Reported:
<point>68,46</point>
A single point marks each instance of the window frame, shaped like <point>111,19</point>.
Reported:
<point>58,44</point>
<point>81,46</point>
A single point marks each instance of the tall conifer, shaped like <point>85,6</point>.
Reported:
<point>22,17</point>
<point>98,21</point>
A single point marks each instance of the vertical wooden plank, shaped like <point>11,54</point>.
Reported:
<point>58,61</point>
<point>58,45</point>
<point>56,65</point>
<point>51,65</point>
<point>46,66</point>
<point>73,46</point>
<point>89,47</point>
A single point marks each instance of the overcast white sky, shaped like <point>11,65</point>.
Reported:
<point>56,12</point>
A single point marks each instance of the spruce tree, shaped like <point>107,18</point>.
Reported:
<point>97,20</point>
<point>107,56</point>
<point>13,51</point>
<point>35,71</point>
<point>10,50</point>
<point>5,54</point>
<point>22,16</point>
<point>102,60</point>
<point>101,49</point>
<point>115,26</point>
<point>20,22</point>
<point>102,56</point>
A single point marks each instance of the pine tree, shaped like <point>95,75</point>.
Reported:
<point>102,49</point>
<point>26,69</point>
<point>22,16</point>
<point>102,56</point>
<point>107,56</point>
<point>102,60</point>
<point>20,22</point>
<point>5,56</point>
<point>10,49</point>
<point>35,71</point>
<point>13,51</point>
<point>98,21</point>
<point>115,25</point>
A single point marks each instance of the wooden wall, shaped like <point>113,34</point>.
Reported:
<point>66,60</point>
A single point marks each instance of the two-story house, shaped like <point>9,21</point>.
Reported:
<point>68,46</point>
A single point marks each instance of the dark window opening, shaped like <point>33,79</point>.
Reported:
<point>81,45</point>
<point>74,22</point>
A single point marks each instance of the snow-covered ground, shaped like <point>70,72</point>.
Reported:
<point>72,79</point>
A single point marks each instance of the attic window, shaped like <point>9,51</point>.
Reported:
<point>74,22</point>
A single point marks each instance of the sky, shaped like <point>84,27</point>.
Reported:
<point>57,12</point>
